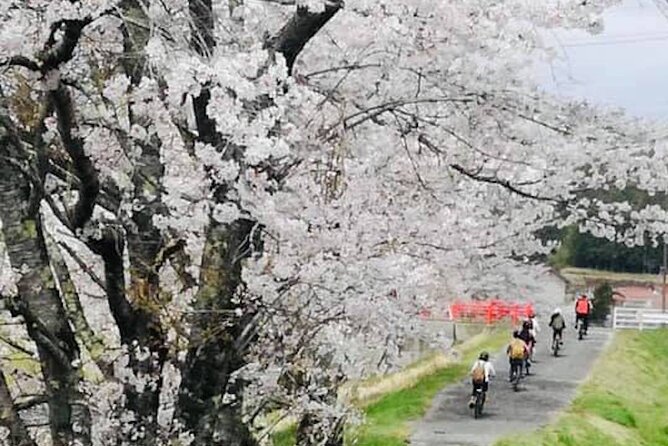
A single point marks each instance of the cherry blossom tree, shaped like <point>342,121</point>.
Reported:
<point>215,211</point>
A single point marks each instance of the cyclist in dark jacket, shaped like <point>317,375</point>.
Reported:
<point>526,335</point>
<point>558,323</point>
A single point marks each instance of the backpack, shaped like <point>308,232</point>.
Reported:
<point>478,373</point>
<point>558,322</point>
<point>516,349</point>
<point>582,306</point>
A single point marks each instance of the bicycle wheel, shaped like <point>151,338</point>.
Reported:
<point>477,409</point>
<point>516,376</point>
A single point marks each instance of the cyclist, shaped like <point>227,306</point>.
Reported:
<point>517,352</point>
<point>534,329</point>
<point>481,371</point>
<point>526,334</point>
<point>583,308</point>
<point>558,324</point>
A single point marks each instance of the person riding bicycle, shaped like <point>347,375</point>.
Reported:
<point>535,327</point>
<point>517,352</point>
<point>526,334</point>
<point>481,371</point>
<point>558,323</point>
<point>583,307</point>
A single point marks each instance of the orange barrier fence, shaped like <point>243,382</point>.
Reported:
<point>487,311</point>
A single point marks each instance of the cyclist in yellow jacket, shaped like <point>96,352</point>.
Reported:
<point>518,352</point>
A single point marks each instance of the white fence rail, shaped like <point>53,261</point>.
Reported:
<point>638,318</point>
<point>637,303</point>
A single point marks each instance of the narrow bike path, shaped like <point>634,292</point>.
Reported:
<point>540,396</point>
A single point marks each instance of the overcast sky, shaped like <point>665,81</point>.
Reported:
<point>625,66</point>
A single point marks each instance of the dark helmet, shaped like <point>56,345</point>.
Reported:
<point>484,356</point>
<point>527,324</point>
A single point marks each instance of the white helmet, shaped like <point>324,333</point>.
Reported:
<point>557,311</point>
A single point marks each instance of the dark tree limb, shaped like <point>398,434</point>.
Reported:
<point>503,183</point>
<point>300,29</point>
<point>29,403</point>
<point>53,56</point>
<point>202,26</point>
<point>21,61</point>
<point>478,176</point>
<point>111,247</point>
<point>83,166</point>
<point>16,345</point>
<point>83,265</point>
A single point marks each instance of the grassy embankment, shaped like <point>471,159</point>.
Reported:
<point>623,403</point>
<point>580,276</point>
<point>391,403</point>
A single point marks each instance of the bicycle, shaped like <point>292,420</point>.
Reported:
<point>526,363</point>
<point>515,373</point>
<point>479,402</point>
<point>581,331</point>
<point>531,353</point>
<point>556,344</point>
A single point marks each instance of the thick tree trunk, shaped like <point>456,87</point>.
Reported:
<point>40,305</point>
<point>144,245</point>
<point>204,403</point>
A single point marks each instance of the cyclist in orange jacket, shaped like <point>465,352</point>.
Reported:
<point>583,307</point>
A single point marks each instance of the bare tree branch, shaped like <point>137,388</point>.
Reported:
<point>504,183</point>
<point>17,346</point>
<point>83,265</point>
<point>21,61</point>
<point>29,403</point>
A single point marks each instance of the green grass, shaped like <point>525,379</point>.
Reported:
<point>387,418</point>
<point>286,436</point>
<point>623,403</point>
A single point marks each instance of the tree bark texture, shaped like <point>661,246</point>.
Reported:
<point>40,305</point>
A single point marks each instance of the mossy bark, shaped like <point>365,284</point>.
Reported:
<point>38,302</point>
<point>214,353</point>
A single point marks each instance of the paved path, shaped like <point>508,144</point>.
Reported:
<point>550,388</point>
